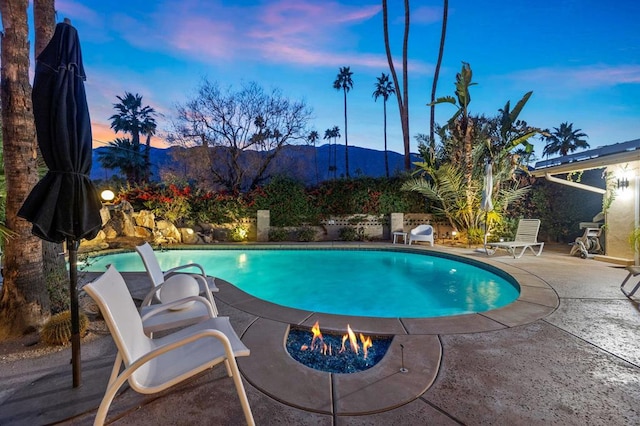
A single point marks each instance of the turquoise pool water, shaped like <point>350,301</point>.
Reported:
<point>376,283</point>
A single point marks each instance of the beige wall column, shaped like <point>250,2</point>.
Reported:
<point>622,215</point>
<point>397,223</point>
<point>262,225</point>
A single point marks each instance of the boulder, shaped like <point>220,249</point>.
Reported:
<point>168,231</point>
<point>145,218</point>
<point>188,236</point>
<point>142,232</point>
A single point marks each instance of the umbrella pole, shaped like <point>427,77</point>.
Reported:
<point>75,314</point>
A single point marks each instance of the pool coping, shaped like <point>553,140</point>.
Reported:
<point>272,370</point>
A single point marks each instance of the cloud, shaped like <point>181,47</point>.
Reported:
<point>209,32</point>
<point>426,15</point>
<point>592,76</point>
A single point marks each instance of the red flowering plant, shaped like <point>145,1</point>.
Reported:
<point>170,202</point>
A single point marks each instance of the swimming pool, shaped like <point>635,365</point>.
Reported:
<point>375,283</point>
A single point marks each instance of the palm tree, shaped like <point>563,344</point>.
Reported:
<point>345,83</point>
<point>403,98</point>
<point>136,120</point>
<point>24,304</point>
<point>432,123</point>
<point>312,138</point>
<point>384,88</point>
<point>328,135</point>
<point>564,140</point>
<point>335,134</point>
<point>123,154</point>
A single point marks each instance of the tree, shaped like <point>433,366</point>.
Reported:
<point>345,83</point>
<point>564,140</point>
<point>136,120</point>
<point>243,130</point>
<point>312,138</point>
<point>436,74</point>
<point>384,88</point>
<point>403,98</point>
<point>333,133</point>
<point>24,303</point>
<point>122,154</point>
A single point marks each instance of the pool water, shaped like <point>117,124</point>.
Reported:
<point>375,283</point>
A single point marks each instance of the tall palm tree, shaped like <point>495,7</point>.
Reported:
<point>345,83</point>
<point>24,303</point>
<point>432,122</point>
<point>384,88</point>
<point>136,120</point>
<point>335,134</point>
<point>312,138</point>
<point>328,136</point>
<point>564,140</point>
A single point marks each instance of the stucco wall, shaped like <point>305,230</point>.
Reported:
<point>621,215</point>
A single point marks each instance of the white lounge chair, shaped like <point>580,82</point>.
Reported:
<point>633,272</point>
<point>526,238</point>
<point>421,233</point>
<point>207,283</point>
<point>153,365</point>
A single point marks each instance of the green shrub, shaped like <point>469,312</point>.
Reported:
<point>351,233</point>
<point>278,234</point>
<point>238,233</point>
<point>306,234</point>
<point>287,202</point>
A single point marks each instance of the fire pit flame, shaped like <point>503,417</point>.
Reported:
<point>317,342</point>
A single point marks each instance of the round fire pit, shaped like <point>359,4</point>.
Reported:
<point>335,353</point>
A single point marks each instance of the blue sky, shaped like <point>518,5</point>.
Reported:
<point>581,58</point>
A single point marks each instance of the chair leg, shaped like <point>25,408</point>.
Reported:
<point>633,291</point>
<point>244,401</point>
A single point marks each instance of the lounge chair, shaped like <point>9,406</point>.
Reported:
<point>153,365</point>
<point>526,238</point>
<point>158,277</point>
<point>633,272</point>
<point>421,233</point>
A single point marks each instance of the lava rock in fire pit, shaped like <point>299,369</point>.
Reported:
<point>333,353</point>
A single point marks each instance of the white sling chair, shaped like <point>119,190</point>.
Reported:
<point>153,365</point>
<point>526,238</point>
<point>158,277</point>
<point>633,272</point>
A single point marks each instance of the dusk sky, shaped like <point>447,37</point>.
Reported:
<point>581,58</point>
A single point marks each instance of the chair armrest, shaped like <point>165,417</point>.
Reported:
<point>167,306</point>
<point>149,297</point>
<point>181,267</point>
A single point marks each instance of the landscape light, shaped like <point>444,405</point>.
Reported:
<point>107,195</point>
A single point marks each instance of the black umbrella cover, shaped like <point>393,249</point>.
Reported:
<point>64,205</point>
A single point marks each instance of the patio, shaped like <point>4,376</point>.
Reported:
<point>575,362</point>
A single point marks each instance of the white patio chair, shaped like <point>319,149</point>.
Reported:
<point>633,272</point>
<point>153,365</point>
<point>207,283</point>
<point>421,233</point>
<point>526,238</point>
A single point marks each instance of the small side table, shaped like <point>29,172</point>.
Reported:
<point>400,234</point>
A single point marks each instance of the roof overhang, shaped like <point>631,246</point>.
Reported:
<point>592,163</point>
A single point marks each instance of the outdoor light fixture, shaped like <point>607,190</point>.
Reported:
<point>107,196</point>
<point>623,183</point>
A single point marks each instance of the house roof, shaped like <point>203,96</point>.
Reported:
<point>592,159</point>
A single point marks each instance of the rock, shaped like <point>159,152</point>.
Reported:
<point>105,215</point>
<point>169,231</point>
<point>145,218</point>
<point>188,236</point>
<point>142,232</point>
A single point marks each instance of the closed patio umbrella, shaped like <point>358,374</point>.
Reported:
<point>486,204</point>
<point>64,205</point>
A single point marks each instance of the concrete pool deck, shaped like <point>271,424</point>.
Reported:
<point>567,352</point>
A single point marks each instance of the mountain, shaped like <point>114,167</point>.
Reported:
<point>307,163</point>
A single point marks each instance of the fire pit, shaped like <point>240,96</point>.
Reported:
<point>334,353</point>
